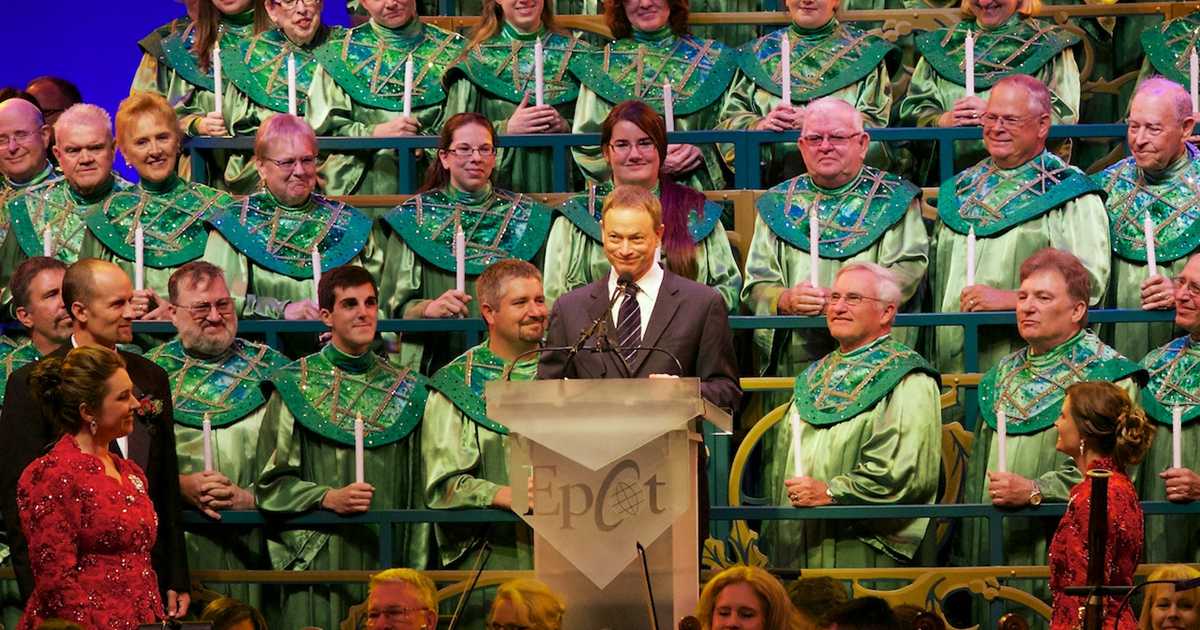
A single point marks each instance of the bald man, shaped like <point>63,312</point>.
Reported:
<point>98,297</point>
<point>24,138</point>
<point>1160,180</point>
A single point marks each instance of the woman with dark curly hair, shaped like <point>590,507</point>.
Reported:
<point>1106,434</point>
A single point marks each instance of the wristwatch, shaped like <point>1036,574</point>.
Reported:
<point>1035,497</point>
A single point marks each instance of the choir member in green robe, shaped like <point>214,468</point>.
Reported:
<point>1019,200</point>
<point>360,90</point>
<point>827,58</point>
<point>870,426</point>
<point>265,242</point>
<point>1175,384</point>
<point>215,379</point>
<point>170,211</point>
<point>499,61</point>
<point>695,245</point>
<point>1007,41</point>
<point>24,147</point>
<point>1027,387</point>
<point>308,442</point>
<point>653,48</point>
<point>1159,182</point>
<point>1168,48</point>
<point>420,265</point>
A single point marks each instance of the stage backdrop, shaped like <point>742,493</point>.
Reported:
<point>92,43</point>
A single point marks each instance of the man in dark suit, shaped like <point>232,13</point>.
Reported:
<point>98,295</point>
<point>659,309</point>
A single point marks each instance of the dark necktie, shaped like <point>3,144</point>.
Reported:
<point>629,323</point>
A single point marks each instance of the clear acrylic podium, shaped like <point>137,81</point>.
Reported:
<point>614,463</point>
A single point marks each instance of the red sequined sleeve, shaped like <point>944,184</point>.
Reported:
<point>49,502</point>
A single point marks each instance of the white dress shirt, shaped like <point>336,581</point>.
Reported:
<point>648,286</point>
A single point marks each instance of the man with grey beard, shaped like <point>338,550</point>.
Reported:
<point>214,377</point>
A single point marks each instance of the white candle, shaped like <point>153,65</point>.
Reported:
<point>971,257</point>
<point>814,248</point>
<point>969,64</point>
<point>206,427</point>
<point>539,81</point>
<point>785,70</point>
<point>797,464</point>
<point>47,243</point>
<point>1194,74</point>
<point>1002,444</point>
<point>408,85</point>
<point>460,259</point>
<point>1176,437</point>
<point>216,66</point>
<point>1151,256</point>
<point>291,84</point>
<point>139,257</point>
<point>668,106</point>
<point>358,448</point>
<point>316,268</point>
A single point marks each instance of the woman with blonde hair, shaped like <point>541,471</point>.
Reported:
<point>527,603</point>
<point>745,597</point>
<point>1164,607</point>
<point>1106,434</point>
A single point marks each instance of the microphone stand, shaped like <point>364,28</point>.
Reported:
<point>597,323</point>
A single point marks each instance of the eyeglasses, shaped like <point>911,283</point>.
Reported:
<point>643,145</point>
<point>20,137</point>
<point>836,139</point>
<point>200,310</point>
<point>852,299</point>
<point>307,162</point>
<point>1184,286</point>
<point>291,4</point>
<point>1004,122</point>
<point>463,151</point>
<point>395,613</point>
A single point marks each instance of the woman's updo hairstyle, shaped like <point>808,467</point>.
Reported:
<point>63,385</point>
<point>1109,422</point>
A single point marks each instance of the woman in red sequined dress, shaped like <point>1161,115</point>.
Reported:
<point>85,511</point>
<point>1100,428</point>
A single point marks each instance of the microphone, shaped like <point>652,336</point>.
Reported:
<point>622,349</point>
<point>623,280</point>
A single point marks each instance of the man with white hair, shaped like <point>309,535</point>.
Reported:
<point>51,215</point>
<point>1017,201</point>
<point>1160,182</point>
<point>869,419</point>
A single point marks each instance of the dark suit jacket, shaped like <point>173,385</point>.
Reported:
<point>28,435</point>
<point>689,320</point>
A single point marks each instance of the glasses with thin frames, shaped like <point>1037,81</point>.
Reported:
<point>463,151</point>
<point>20,137</point>
<point>308,162</point>
<point>835,139</point>
<point>643,145</point>
<point>200,310</point>
<point>1185,287</point>
<point>852,299</point>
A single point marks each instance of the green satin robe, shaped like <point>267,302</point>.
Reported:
<point>11,254</point>
<point>1172,199</point>
<point>870,428</point>
<point>1029,222</point>
<point>307,442</point>
<point>837,60</point>
<point>937,81</point>
<point>635,68</point>
<point>575,256</point>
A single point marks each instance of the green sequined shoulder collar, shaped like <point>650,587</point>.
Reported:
<point>177,53</point>
<point>1174,381</point>
<point>152,44</point>
<point>53,206</point>
<point>1021,47</point>
<point>699,70</point>
<point>819,68</point>
<point>992,200</point>
<point>372,72</point>
<point>224,391</point>
<point>583,211</point>
<point>281,239</point>
<point>842,386</point>
<point>1031,389</point>
<point>258,66</point>
<point>1169,46</point>
<point>463,382</point>
<point>325,399</point>
<point>505,68</point>
<point>1173,206</point>
<point>173,223</point>
<point>507,225</point>
<point>850,221</point>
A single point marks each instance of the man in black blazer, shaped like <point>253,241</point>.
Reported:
<point>98,296</point>
<point>661,309</point>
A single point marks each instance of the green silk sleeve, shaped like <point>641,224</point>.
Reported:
<point>526,169</point>
<point>450,452</point>
<point>590,112</point>
<point>925,100</point>
<point>904,249</point>
<point>764,272</point>
<point>238,276</point>
<point>234,448</point>
<point>572,260</point>
<point>718,268</point>
<point>281,487</point>
<point>1081,227</point>
<point>401,276</point>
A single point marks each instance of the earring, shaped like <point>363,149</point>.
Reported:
<point>92,427</point>
<point>1082,444</point>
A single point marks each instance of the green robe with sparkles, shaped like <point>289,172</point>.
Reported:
<point>11,254</point>
<point>1019,46</point>
<point>265,248</point>
<point>575,251</point>
<point>307,442</point>
<point>1015,212</point>
<point>1174,381</point>
<point>502,70</point>
<point>225,391</point>
<point>870,428</point>
<point>360,84</point>
<point>466,459</point>
<point>838,60</point>
<point>172,215</point>
<point>700,71</point>
<point>1031,389</point>
<point>1168,47</point>
<point>1172,200</point>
